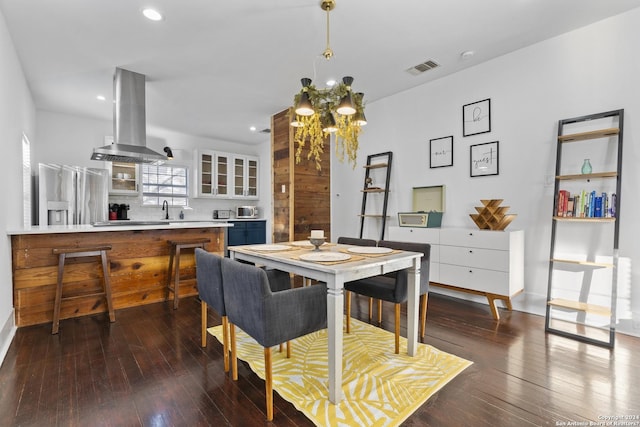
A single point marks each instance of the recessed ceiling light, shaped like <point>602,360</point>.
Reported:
<point>152,14</point>
<point>101,98</point>
<point>252,128</point>
<point>331,83</point>
<point>467,54</point>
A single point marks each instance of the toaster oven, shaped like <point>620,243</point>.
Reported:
<point>221,214</point>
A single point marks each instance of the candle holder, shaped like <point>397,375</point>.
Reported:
<point>317,242</point>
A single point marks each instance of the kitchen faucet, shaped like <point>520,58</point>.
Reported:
<point>165,203</point>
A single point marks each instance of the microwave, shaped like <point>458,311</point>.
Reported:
<point>246,212</point>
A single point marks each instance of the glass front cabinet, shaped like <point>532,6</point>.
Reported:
<point>123,178</point>
<point>226,175</point>
<point>245,177</point>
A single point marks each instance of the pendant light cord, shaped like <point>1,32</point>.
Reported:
<point>328,53</point>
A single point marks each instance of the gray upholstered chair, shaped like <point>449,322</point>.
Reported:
<point>210,290</point>
<point>358,242</point>
<point>393,287</point>
<point>271,318</point>
<point>209,283</point>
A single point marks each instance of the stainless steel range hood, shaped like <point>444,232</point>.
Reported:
<point>129,123</point>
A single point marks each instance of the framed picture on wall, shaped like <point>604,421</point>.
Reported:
<point>441,150</point>
<point>484,159</point>
<point>476,117</point>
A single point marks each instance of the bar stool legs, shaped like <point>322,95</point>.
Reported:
<point>94,251</point>
<point>174,257</point>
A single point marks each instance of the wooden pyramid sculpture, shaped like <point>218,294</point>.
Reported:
<point>492,216</point>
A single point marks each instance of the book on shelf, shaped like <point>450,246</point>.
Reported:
<point>614,204</point>
<point>597,207</point>
<point>570,207</point>
<point>561,203</point>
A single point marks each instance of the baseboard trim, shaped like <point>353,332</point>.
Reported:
<point>7,333</point>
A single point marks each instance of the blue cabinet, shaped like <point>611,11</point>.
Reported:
<point>247,233</point>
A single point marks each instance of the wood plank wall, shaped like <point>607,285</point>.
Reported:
<point>306,203</point>
<point>138,261</point>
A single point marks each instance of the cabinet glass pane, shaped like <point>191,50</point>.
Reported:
<point>238,179</point>
<point>252,189</point>
<point>123,177</point>
<point>221,175</point>
<point>252,185</point>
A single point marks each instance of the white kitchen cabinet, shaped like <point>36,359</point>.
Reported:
<point>245,177</point>
<point>226,175</point>
<point>480,262</point>
<point>124,178</point>
<point>212,173</point>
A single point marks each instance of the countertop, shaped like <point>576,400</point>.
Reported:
<point>87,228</point>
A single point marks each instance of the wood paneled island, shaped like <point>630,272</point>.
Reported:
<point>139,262</point>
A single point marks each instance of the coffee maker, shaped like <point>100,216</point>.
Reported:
<point>122,211</point>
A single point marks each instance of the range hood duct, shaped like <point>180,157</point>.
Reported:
<point>129,123</point>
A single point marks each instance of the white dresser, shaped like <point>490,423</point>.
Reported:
<point>481,262</point>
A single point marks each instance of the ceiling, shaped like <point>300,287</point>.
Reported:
<point>215,68</point>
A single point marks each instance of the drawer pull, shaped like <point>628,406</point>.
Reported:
<point>470,271</point>
<point>470,252</point>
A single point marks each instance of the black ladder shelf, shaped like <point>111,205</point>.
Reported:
<point>376,161</point>
<point>584,308</point>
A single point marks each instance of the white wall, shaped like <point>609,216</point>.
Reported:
<point>590,70</point>
<point>17,116</point>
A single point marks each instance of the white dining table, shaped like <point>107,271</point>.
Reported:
<point>286,257</point>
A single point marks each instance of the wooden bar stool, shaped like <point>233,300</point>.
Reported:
<point>176,247</point>
<point>93,251</point>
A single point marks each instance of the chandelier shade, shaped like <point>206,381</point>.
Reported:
<point>329,124</point>
<point>304,107</point>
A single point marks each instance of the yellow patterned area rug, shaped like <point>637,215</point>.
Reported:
<point>381,388</point>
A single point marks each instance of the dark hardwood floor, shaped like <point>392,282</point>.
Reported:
<point>148,369</point>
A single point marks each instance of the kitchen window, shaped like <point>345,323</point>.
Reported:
<point>160,183</point>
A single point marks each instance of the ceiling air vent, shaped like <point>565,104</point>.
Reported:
<point>421,68</point>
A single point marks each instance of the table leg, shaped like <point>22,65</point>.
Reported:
<point>413,298</point>
<point>335,319</point>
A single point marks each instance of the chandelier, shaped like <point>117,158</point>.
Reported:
<point>319,112</point>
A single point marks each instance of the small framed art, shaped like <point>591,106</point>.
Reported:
<point>476,117</point>
<point>484,159</point>
<point>441,150</point>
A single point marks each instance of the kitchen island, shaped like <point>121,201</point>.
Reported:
<point>139,261</point>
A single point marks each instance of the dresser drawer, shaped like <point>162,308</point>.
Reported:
<point>477,279</point>
<point>489,259</point>
<point>475,238</point>
<point>410,234</point>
